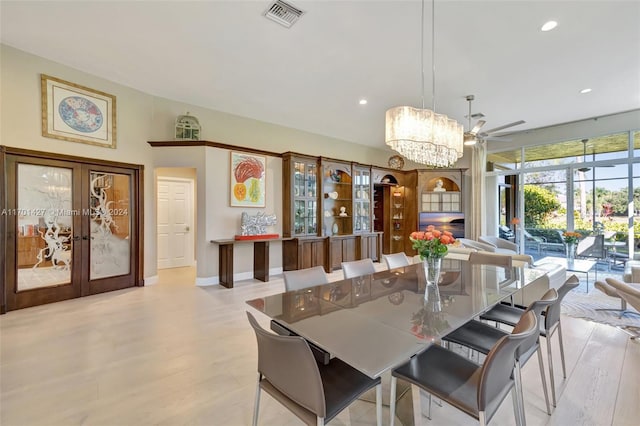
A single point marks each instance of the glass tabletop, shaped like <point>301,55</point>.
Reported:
<point>378,321</point>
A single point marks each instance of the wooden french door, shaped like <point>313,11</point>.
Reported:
<point>72,228</point>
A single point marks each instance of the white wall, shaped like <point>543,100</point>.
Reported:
<point>20,124</point>
<point>141,118</point>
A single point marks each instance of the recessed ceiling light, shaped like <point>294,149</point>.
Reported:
<point>548,26</point>
<point>585,90</point>
<point>362,102</point>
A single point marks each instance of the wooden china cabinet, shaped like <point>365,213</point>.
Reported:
<point>327,213</point>
<point>395,212</point>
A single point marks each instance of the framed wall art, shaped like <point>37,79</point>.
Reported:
<point>76,113</point>
<point>248,174</point>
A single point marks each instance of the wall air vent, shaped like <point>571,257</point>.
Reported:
<point>283,13</point>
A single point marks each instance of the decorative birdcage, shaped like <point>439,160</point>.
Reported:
<point>187,128</point>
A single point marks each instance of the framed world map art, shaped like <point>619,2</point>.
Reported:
<point>76,113</point>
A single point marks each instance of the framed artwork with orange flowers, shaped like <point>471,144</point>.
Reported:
<point>248,177</point>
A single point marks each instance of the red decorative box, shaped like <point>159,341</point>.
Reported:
<point>257,237</point>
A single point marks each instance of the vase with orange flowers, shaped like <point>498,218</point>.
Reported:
<point>570,239</point>
<point>431,245</point>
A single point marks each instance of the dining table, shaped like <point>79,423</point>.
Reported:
<point>377,322</point>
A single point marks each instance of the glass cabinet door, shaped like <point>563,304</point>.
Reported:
<point>305,206</point>
<point>337,188</point>
<point>362,200</point>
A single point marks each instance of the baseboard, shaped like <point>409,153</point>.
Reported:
<point>207,281</point>
<point>151,280</point>
<point>241,276</point>
<point>275,271</point>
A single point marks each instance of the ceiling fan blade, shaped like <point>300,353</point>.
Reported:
<point>506,126</point>
<point>478,126</point>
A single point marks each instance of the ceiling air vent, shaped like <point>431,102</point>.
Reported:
<point>283,13</point>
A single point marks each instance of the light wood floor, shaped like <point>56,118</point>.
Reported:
<point>176,354</point>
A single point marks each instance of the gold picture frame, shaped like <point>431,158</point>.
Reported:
<point>76,113</point>
<point>247,186</point>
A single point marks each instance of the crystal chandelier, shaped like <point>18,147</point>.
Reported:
<point>422,135</point>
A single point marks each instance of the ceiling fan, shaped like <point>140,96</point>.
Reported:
<point>474,134</point>
<point>584,157</point>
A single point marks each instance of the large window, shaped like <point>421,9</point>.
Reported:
<point>591,186</point>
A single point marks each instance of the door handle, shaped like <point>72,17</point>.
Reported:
<point>186,229</point>
<point>84,237</point>
<point>76,237</point>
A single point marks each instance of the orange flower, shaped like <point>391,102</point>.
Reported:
<point>445,239</point>
<point>432,242</point>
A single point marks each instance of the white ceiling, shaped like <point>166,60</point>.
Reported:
<point>224,55</point>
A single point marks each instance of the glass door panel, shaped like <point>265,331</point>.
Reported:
<point>362,200</point>
<point>110,226</point>
<point>545,212</point>
<point>311,180</point>
<point>44,226</point>
<point>298,179</point>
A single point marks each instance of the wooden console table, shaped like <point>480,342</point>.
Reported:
<point>260,259</point>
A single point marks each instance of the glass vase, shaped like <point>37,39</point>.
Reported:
<point>432,267</point>
<point>432,301</point>
<point>571,251</point>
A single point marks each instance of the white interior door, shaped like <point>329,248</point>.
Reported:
<point>175,222</point>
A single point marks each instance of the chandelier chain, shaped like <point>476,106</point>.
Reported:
<point>421,135</point>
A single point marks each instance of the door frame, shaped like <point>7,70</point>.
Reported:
<point>192,218</point>
<point>8,243</point>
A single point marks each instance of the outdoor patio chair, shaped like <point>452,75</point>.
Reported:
<point>592,247</point>
<point>532,241</point>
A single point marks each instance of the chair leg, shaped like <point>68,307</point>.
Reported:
<point>543,379</point>
<point>256,405</point>
<point>517,375</point>
<point>553,385</point>
<point>516,406</point>
<point>482,419</point>
<point>379,404</point>
<point>417,405</point>
<point>320,421</point>
<point>392,403</point>
<point>564,369</point>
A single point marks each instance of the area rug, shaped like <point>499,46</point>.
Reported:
<point>581,305</point>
